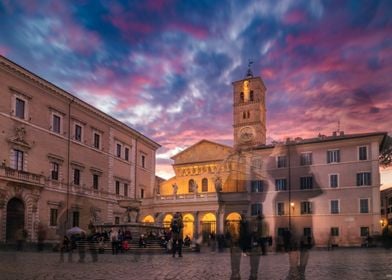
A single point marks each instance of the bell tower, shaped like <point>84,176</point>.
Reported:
<point>249,112</point>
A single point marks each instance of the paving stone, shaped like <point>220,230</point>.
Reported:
<point>324,265</point>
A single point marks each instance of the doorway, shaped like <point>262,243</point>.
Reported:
<point>15,218</point>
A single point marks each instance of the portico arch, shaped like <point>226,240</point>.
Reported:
<point>15,218</point>
<point>148,219</point>
<point>208,225</point>
<point>167,220</point>
<point>233,222</point>
<point>188,221</point>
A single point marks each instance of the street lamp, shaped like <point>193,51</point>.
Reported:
<point>291,210</point>
<point>382,223</point>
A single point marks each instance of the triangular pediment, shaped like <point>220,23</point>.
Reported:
<point>202,151</point>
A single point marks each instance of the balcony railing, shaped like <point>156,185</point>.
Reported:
<point>22,176</point>
<point>188,197</point>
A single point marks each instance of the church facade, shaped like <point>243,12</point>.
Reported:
<point>327,187</point>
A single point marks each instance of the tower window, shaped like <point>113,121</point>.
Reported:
<point>251,96</point>
<point>241,97</point>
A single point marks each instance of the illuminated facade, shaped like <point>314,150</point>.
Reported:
<point>327,187</point>
<point>386,208</point>
<point>63,162</point>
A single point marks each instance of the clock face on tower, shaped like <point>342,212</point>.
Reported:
<point>246,134</point>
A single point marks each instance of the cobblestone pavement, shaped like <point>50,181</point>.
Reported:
<point>338,264</point>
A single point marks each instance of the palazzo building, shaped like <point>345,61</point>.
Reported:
<point>64,163</point>
<point>327,187</point>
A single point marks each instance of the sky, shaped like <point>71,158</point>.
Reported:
<point>165,68</point>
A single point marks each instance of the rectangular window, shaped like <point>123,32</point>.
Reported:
<point>125,189</point>
<point>257,186</point>
<point>364,231</point>
<point>307,231</point>
<point>364,179</point>
<point>306,158</point>
<point>126,154</point>
<point>333,156</point>
<point>306,183</point>
<point>362,153</point>
<point>306,207</point>
<point>56,124</point>
<point>281,161</point>
<point>117,187</point>
<point>75,219</point>
<point>333,180</point>
<point>141,193</point>
<point>53,217</point>
<point>143,161</point>
<point>97,141</point>
<point>76,179</point>
<point>335,207</point>
<point>20,108</point>
<point>334,231</point>
<point>281,184</point>
<point>256,209</point>
<point>364,205</point>
<point>204,185</point>
<point>281,231</point>
<point>55,171</point>
<point>118,150</point>
<point>116,220</point>
<point>18,159</point>
<point>95,181</point>
<point>78,132</point>
<point>280,208</point>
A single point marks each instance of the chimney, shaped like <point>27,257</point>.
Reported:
<point>334,133</point>
<point>341,133</point>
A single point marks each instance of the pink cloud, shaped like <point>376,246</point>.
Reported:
<point>157,5</point>
<point>294,17</point>
<point>4,50</point>
<point>67,31</point>
<point>195,31</point>
<point>129,26</point>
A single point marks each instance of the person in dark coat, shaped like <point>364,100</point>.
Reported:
<point>176,227</point>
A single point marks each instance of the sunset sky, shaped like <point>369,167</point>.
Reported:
<point>165,67</point>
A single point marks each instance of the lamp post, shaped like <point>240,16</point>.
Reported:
<point>292,207</point>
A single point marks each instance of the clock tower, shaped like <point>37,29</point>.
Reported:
<point>249,112</point>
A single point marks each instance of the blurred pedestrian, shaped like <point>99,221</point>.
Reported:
<point>177,226</point>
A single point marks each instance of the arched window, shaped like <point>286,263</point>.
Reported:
<point>248,115</point>
<point>244,115</point>
<point>204,185</point>
<point>251,95</point>
<point>241,97</point>
<point>191,186</point>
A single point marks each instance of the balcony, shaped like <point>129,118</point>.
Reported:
<point>198,197</point>
<point>22,177</point>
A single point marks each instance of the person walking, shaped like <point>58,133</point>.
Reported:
<point>177,226</point>
<point>114,240</point>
